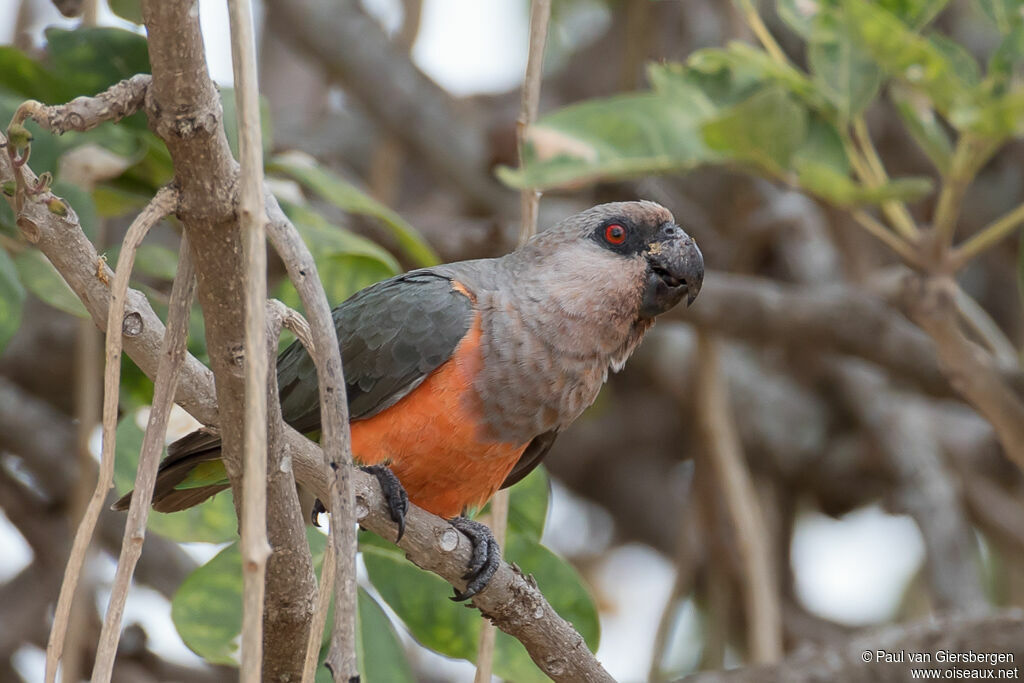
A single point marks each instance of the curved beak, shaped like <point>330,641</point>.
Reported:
<point>675,269</point>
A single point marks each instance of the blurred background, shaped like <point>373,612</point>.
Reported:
<point>876,495</point>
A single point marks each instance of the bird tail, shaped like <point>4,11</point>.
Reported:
<point>191,473</point>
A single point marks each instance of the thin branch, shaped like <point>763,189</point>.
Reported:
<point>85,113</point>
<point>969,155</point>
<point>171,358</point>
<point>760,589</point>
<point>904,249</point>
<point>540,13</point>
<point>337,449</point>
<point>323,604</point>
<point>252,221</point>
<point>895,210</point>
<point>929,302</point>
<point>988,237</point>
<point>905,435</point>
<point>765,37</point>
<point>982,324</point>
<point>163,203</point>
<point>290,580</point>
<point>529,203</point>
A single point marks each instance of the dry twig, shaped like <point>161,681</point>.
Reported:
<point>118,324</point>
<point>171,358</point>
<point>252,219</point>
<point>760,589</point>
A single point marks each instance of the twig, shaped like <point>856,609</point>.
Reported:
<point>904,249</point>
<point>290,580</point>
<point>540,13</point>
<point>760,591</point>
<point>986,238</point>
<point>323,604</point>
<point>978,319</point>
<point>968,156</point>
<point>171,358</point>
<point>929,302</point>
<point>252,222</point>
<point>85,113</point>
<point>904,434</point>
<point>895,210</point>
<point>337,449</point>
<point>529,202</point>
<point>765,37</point>
<point>162,204</point>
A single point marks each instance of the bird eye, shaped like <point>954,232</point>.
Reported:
<point>615,234</point>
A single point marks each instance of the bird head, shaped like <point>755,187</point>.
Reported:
<point>637,243</point>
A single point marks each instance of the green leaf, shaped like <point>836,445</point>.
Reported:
<point>90,60</point>
<point>349,198</point>
<point>915,13</point>
<point>765,129</point>
<point>822,145</point>
<point>1005,14</point>
<point>25,78</point>
<point>963,63</point>
<point>212,522</point>
<point>40,278</point>
<point>917,61</point>
<point>380,652</point>
<point>749,64</point>
<point>799,15</point>
<point>923,126</point>
<point>207,609</point>
<point>615,138</point>
<point>227,102</point>
<point>420,599</point>
<point>842,191</point>
<point>12,297</point>
<point>157,260</point>
<point>346,262</point>
<point>1004,65</point>
<point>840,67</point>
<point>564,589</point>
<point>130,10</point>
<point>528,505</point>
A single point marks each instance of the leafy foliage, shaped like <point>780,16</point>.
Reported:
<point>739,106</point>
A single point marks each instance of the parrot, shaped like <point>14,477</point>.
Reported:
<point>459,377</point>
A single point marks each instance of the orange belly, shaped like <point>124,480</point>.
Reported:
<point>433,440</point>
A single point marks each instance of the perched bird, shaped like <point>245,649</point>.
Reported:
<point>460,376</point>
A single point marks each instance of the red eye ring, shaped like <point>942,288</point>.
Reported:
<point>615,234</point>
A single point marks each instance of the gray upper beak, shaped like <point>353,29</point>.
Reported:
<point>675,270</point>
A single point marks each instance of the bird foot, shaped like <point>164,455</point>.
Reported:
<point>394,494</point>
<point>485,560</point>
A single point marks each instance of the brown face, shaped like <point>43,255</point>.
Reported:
<point>674,264</point>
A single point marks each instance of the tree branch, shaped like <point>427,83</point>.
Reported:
<point>85,113</point>
<point>837,317</point>
<point>356,52</point>
<point>929,302</point>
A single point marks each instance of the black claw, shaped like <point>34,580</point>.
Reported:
<point>318,509</point>
<point>394,494</point>
<point>485,560</point>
